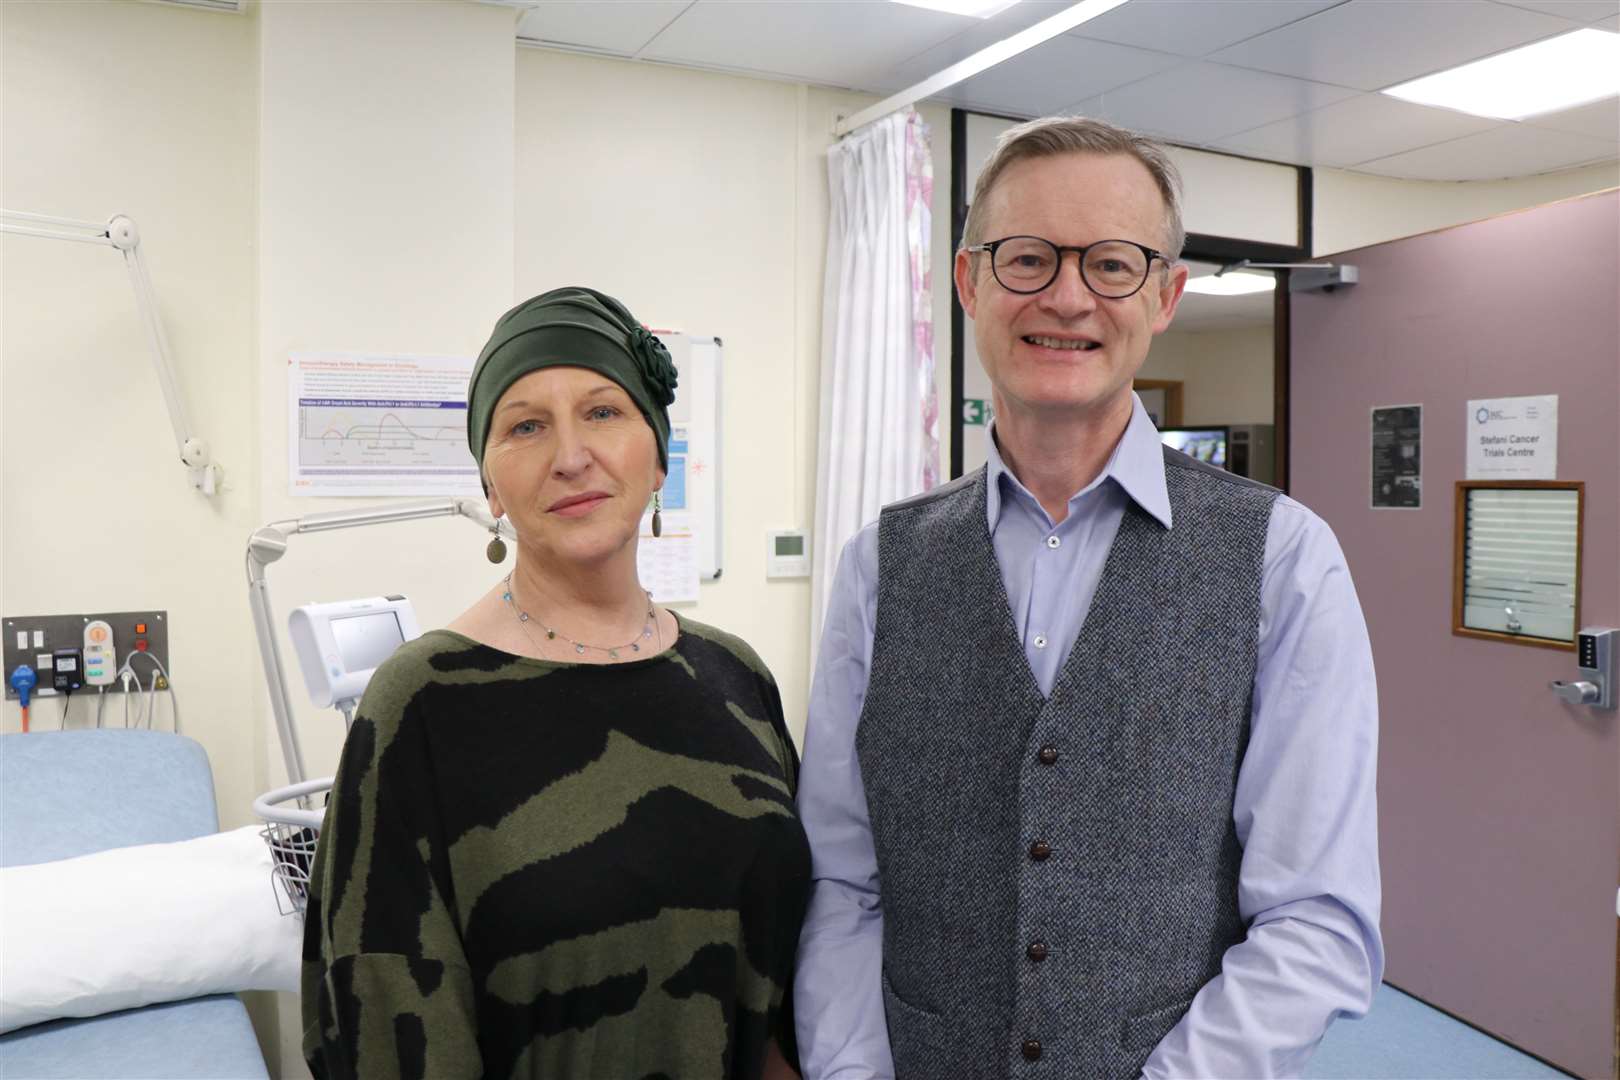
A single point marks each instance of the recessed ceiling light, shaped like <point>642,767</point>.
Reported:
<point>1559,73</point>
<point>1236,283</point>
<point>981,9</point>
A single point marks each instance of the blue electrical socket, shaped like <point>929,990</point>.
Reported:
<point>23,680</point>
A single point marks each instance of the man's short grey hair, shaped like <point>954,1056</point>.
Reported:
<point>1055,135</point>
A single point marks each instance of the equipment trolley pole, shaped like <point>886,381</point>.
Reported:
<point>269,543</point>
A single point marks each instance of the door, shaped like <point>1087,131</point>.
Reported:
<point>1498,805</point>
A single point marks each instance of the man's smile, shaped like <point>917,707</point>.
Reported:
<point>1047,341</point>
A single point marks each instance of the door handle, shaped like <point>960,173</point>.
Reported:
<point>1576,693</point>
<point>1597,657</point>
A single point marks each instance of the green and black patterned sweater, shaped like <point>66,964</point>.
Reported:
<point>534,869</point>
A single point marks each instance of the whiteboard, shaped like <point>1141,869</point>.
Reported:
<point>694,462</point>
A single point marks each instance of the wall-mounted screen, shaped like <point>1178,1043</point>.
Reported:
<point>1206,444</point>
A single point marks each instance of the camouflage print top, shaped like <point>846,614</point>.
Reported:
<point>533,869</point>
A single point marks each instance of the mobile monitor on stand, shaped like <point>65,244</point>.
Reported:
<point>1206,444</point>
<point>340,645</point>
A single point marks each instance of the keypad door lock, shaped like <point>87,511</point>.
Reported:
<point>1595,653</point>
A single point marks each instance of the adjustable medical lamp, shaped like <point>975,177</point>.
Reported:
<point>269,543</point>
<point>120,232</point>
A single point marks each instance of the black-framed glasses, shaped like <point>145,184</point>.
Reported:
<point>1113,269</point>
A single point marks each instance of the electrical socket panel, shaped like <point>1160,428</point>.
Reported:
<point>31,640</point>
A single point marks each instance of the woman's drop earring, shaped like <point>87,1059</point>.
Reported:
<point>658,515</point>
<point>496,551</point>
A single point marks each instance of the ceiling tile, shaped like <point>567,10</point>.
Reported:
<point>1581,11</point>
<point>1195,27</point>
<point>1348,132</point>
<point>1201,103</point>
<point>1506,151</point>
<point>1599,120</point>
<point>621,27</point>
<point>832,42</point>
<point>1372,44</point>
<point>981,35</point>
<point>1058,73</point>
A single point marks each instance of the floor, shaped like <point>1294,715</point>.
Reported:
<point>1406,1039</point>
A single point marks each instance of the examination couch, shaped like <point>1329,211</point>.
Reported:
<point>72,793</point>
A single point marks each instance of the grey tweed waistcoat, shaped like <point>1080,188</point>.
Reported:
<point>1058,875</point>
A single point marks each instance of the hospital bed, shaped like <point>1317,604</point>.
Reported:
<point>70,793</point>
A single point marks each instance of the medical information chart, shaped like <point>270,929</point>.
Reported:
<point>362,424</point>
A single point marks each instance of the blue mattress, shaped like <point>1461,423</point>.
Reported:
<point>204,1037</point>
<point>67,793</point>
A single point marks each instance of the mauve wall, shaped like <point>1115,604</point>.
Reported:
<point>1498,806</point>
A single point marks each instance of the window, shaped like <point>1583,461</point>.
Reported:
<point>1517,570</point>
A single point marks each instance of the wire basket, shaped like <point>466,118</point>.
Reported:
<point>291,830</point>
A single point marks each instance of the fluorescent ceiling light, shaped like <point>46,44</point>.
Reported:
<point>981,9</point>
<point>1237,283</point>
<point>983,60</point>
<point>1559,73</point>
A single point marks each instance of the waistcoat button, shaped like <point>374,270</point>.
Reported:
<point>1048,755</point>
<point>1032,1050</point>
<point>1036,951</point>
<point>1040,851</point>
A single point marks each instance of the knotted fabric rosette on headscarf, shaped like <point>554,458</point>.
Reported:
<point>573,327</point>
<point>656,366</point>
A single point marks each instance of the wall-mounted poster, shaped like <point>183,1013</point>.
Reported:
<point>1397,457</point>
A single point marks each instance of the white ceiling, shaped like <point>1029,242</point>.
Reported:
<point>1287,80</point>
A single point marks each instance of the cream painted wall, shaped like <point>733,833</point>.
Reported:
<point>98,512</point>
<point>701,200</point>
<point>1227,373</point>
<point>1353,210</point>
<point>386,215</point>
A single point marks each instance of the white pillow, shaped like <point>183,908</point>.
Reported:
<point>140,925</point>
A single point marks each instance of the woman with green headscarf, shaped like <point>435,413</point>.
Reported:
<point>562,840</point>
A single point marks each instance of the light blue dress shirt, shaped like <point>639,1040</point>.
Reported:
<point>1304,809</point>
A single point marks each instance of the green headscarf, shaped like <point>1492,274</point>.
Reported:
<point>572,327</point>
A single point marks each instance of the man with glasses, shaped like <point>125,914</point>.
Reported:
<point>1089,768</point>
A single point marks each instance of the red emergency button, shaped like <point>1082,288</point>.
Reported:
<point>141,645</point>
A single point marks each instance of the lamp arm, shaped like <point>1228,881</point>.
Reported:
<point>120,232</point>
<point>268,544</point>
<point>155,337</point>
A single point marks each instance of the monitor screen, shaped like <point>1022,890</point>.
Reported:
<point>1206,444</point>
<point>364,641</point>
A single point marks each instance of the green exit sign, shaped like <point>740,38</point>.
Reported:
<point>976,412</point>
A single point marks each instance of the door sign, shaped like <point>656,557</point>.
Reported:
<point>1513,438</point>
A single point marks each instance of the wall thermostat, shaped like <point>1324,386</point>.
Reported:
<point>788,554</point>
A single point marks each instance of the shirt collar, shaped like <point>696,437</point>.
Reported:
<point>1136,465</point>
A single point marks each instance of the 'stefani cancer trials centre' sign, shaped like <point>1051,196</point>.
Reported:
<point>1513,438</point>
